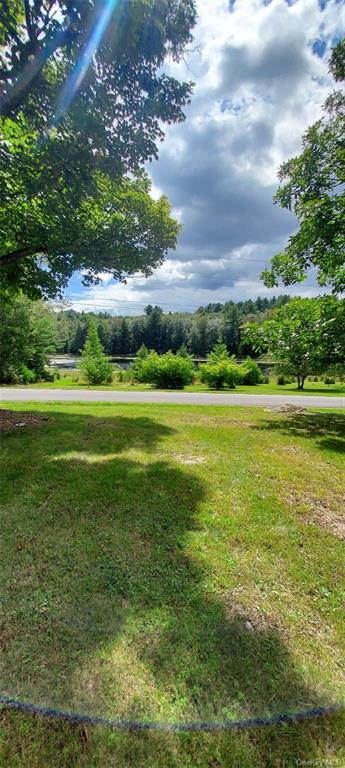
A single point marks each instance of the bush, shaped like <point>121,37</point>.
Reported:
<point>217,375</point>
<point>49,374</point>
<point>250,372</point>
<point>26,375</point>
<point>167,371</point>
<point>329,380</point>
<point>281,380</point>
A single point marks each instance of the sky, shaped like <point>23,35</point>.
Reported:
<point>261,77</point>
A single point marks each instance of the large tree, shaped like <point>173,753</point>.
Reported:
<point>312,185</point>
<point>83,100</point>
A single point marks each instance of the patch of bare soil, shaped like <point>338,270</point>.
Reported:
<point>12,420</point>
<point>190,459</point>
<point>286,408</point>
<point>319,512</point>
<point>251,618</point>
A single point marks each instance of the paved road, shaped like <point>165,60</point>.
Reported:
<point>18,394</point>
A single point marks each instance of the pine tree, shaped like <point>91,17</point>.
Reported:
<point>95,365</point>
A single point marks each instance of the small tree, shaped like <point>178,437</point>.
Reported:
<point>219,352</point>
<point>136,366</point>
<point>304,336</point>
<point>95,365</point>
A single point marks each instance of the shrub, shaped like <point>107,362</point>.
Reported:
<point>49,374</point>
<point>281,380</point>
<point>250,372</point>
<point>217,375</point>
<point>329,380</point>
<point>167,371</point>
<point>26,375</point>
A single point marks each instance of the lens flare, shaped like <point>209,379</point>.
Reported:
<point>76,77</point>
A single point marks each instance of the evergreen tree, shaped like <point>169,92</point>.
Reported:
<point>95,365</point>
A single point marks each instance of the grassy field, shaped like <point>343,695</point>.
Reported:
<point>310,387</point>
<point>175,563</point>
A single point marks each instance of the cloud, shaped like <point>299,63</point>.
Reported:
<point>261,78</point>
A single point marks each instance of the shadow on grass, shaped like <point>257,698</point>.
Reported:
<point>328,429</point>
<point>107,610</point>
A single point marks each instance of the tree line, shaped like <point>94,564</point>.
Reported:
<point>198,332</point>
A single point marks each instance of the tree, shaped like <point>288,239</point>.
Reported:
<point>219,352</point>
<point>231,329</point>
<point>83,102</point>
<point>27,335</point>
<point>153,327</point>
<point>313,187</point>
<point>305,336</point>
<point>52,224</point>
<point>95,365</point>
<point>104,334</point>
<point>125,337</point>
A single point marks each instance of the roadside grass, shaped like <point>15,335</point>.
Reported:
<point>310,387</point>
<point>172,563</point>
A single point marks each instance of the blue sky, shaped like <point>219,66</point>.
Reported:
<point>261,77</point>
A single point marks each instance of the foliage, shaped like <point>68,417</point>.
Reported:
<point>250,372</point>
<point>95,365</point>
<point>220,370</point>
<point>53,223</point>
<point>219,374</point>
<point>167,371</point>
<point>197,332</point>
<point>305,336</point>
<point>140,357</point>
<point>26,337</point>
<point>218,353</point>
<point>84,100</point>
<point>313,187</point>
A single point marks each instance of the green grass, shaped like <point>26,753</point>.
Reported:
<point>172,563</point>
<point>310,387</point>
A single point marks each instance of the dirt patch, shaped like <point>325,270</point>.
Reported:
<point>190,459</point>
<point>251,618</point>
<point>318,512</point>
<point>286,408</point>
<point>12,420</point>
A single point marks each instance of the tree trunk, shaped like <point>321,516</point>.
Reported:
<point>300,382</point>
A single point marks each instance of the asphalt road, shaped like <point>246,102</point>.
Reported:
<point>19,394</point>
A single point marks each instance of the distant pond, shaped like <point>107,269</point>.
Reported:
<point>71,362</point>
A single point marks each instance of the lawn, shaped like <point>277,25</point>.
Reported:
<point>310,387</point>
<point>172,564</point>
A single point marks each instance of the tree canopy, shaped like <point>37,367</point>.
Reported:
<point>313,187</point>
<point>83,99</point>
